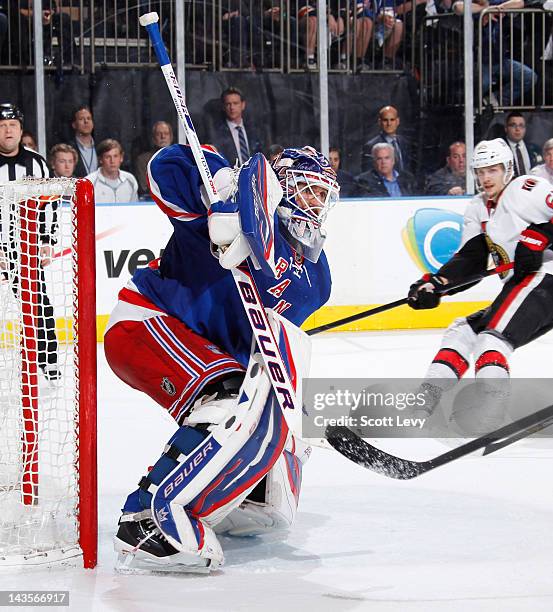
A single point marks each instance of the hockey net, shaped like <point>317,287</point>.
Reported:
<point>47,373</point>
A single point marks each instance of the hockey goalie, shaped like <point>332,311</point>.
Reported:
<point>179,333</point>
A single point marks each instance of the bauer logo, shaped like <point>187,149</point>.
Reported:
<point>431,237</point>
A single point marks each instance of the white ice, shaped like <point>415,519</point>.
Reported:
<point>473,535</point>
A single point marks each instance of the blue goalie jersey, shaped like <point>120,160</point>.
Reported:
<point>189,284</point>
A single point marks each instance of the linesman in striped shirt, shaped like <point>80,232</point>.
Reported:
<point>17,161</point>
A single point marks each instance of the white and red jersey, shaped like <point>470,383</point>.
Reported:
<point>525,200</point>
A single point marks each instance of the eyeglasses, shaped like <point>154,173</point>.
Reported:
<point>516,125</point>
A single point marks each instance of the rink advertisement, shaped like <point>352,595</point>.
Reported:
<point>413,408</point>
<point>375,249</point>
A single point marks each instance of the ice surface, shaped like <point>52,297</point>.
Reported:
<point>474,535</point>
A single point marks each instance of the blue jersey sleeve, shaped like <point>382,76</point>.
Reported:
<point>175,181</point>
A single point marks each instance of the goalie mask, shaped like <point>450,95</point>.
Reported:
<point>310,190</point>
<point>490,153</point>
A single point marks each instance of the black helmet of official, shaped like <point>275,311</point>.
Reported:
<point>10,111</point>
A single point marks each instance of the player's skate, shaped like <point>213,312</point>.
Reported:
<point>142,547</point>
<point>432,395</point>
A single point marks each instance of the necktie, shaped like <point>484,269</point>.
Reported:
<point>244,151</point>
<point>520,161</point>
<point>397,151</point>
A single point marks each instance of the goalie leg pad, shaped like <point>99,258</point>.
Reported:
<point>272,505</point>
<point>191,490</point>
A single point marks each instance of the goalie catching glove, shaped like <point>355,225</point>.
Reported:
<point>425,293</point>
<point>529,251</point>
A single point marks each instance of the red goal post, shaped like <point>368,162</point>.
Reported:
<point>48,482</point>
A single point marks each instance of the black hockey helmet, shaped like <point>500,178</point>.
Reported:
<point>10,111</point>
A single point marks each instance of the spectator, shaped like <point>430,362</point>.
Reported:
<point>389,29</point>
<point>274,151</point>
<point>338,13</point>
<point>545,170</point>
<point>307,32</point>
<point>236,33</point>
<point>234,138</point>
<point>348,185</point>
<point>504,70</point>
<point>55,24</point>
<point>162,136</point>
<point>83,143</point>
<point>17,162</point>
<point>451,179</point>
<point>388,120</point>
<point>384,179</point>
<point>526,155</point>
<point>63,160</point>
<point>111,184</point>
<point>363,28</point>
<point>28,140</point>
<point>307,26</point>
<point>3,25</point>
<point>267,18</point>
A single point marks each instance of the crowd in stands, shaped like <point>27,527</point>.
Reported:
<point>387,160</point>
<point>363,34</point>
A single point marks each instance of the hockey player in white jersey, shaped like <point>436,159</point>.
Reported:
<point>511,221</point>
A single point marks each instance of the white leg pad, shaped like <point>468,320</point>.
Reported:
<point>282,488</point>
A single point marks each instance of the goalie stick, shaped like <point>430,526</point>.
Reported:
<point>243,277</point>
<point>349,444</point>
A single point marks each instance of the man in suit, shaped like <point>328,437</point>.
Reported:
<point>451,178</point>
<point>385,179</point>
<point>162,136</point>
<point>234,138</point>
<point>83,142</point>
<point>388,120</point>
<point>526,154</point>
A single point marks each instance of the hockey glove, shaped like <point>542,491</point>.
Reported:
<point>529,251</point>
<point>229,244</point>
<point>424,293</point>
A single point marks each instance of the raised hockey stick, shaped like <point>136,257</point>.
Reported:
<point>349,444</point>
<point>255,311</point>
<point>402,301</point>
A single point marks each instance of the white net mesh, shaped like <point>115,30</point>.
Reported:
<point>38,379</point>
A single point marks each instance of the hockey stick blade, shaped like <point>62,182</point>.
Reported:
<point>354,448</point>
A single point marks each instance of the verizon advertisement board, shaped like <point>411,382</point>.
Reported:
<point>375,248</point>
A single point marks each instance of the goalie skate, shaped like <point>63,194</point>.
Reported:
<point>142,548</point>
